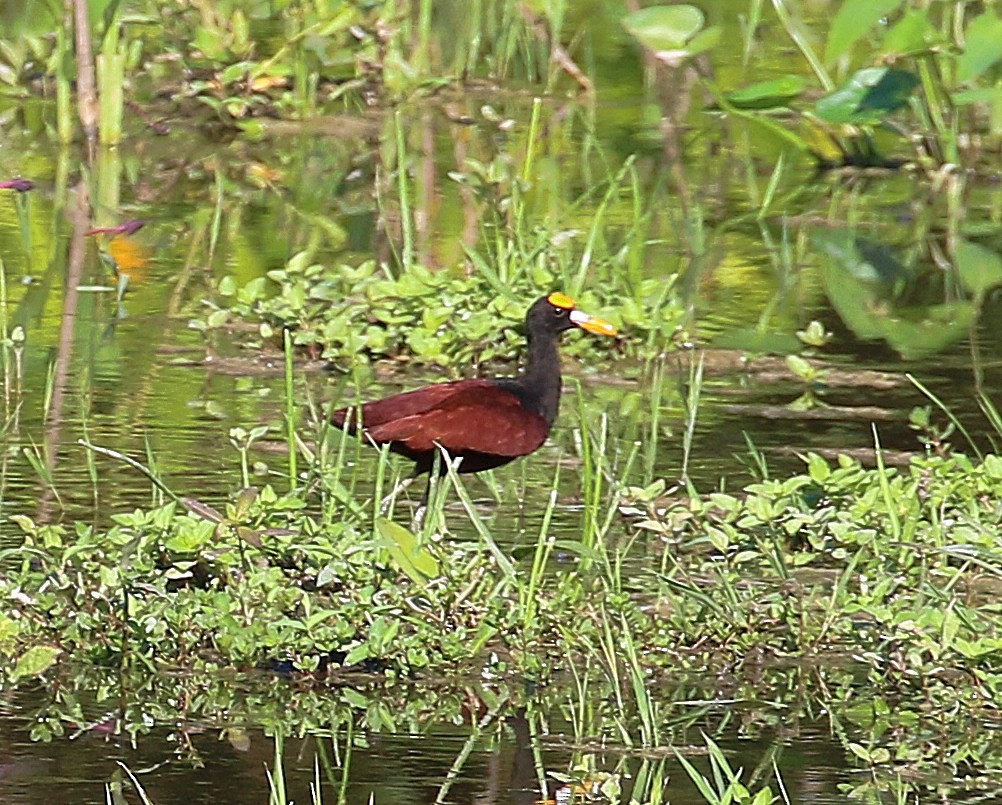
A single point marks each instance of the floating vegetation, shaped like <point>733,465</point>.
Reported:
<point>788,217</point>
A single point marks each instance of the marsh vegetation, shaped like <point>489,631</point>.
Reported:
<point>757,559</point>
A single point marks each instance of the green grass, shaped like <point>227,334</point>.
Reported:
<point>839,562</point>
<point>868,591</point>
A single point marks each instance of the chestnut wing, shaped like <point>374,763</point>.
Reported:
<point>466,416</point>
<point>400,406</point>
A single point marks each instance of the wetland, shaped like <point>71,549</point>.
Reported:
<point>758,558</point>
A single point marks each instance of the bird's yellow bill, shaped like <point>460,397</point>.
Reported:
<point>592,324</point>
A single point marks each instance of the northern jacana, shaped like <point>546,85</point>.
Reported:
<point>485,422</point>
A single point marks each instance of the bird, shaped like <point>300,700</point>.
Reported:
<point>483,422</point>
<point>20,185</point>
<point>129,227</point>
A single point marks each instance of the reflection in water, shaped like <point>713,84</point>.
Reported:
<point>914,308</point>
<point>138,382</point>
<point>79,215</point>
<point>519,757</point>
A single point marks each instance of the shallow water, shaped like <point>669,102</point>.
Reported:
<point>131,375</point>
<point>390,768</point>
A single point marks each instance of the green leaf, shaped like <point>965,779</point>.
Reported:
<point>706,39</point>
<point>880,755</point>
<point>991,95</point>
<point>868,97</point>
<point>413,559</point>
<point>244,502</point>
<point>912,35</point>
<point>218,318</point>
<point>979,269</point>
<point>818,468</point>
<point>355,698</point>
<point>860,751</point>
<point>35,661</point>
<point>852,22</point>
<point>234,72</point>
<point>240,31</point>
<point>768,94</point>
<point>250,536</point>
<point>25,523</point>
<point>799,366</point>
<point>210,43</point>
<point>864,281</point>
<point>982,49</point>
<point>951,625</point>
<point>665,28</point>
<point>188,541</point>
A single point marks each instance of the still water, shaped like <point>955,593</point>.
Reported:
<point>202,764</point>
<point>118,365</point>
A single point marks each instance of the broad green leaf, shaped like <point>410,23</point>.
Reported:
<point>993,467</point>
<point>978,95</point>
<point>982,49</point>
<point>210,43</point>
<point>767,94</point>
<point>706,39</point>
<point>188,541</point>
<point>818,468</point>
<point>9,629</point>
<point>976,649</point>
<point>218,318</point>
<point>235,72</point>
<point>35,661</point>
<point>360,653</point>
<point>852,22</point>
<point>355,698</point>
<point>665,27</point>
<point>327,574</point>
<point>912,34</point>
<point>868,97</point>
<point>413,559</point>
<point>299,261</point>
<point>860,751</point>
<point>979,269</point>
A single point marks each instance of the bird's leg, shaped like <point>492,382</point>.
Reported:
<point>384,506</point>
<point>443,465</point>
<point>434,477</point>
<point>422,508</point>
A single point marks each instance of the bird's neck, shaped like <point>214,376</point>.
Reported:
<point>541,381</point>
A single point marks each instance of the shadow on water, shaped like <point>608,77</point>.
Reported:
<point>510,755</point>
<point>108,357</point>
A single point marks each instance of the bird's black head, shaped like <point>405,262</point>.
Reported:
<point>554,313</point>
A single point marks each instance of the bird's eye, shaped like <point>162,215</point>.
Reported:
<point>559,311</point>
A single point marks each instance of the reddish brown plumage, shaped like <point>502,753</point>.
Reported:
<point>486,423</point>
<point>473,419</point>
